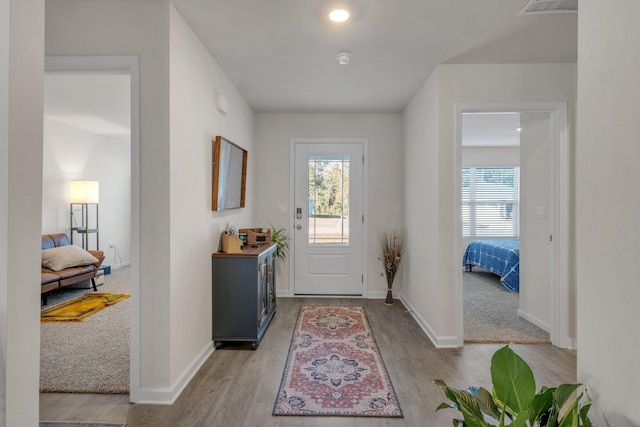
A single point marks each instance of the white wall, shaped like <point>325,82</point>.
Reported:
<point>421,290</point>
<point>195,229</point>
<point>429,138</point>
<point>535,186</point>
<point>608,206</point>
<point>384,210</point>
<point>490,156</point>
<point>139,28</point>
<point>72,153</point>
<point>21,91</point>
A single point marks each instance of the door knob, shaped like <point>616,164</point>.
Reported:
<point>299,226</point>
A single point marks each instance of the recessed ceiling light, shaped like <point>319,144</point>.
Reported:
<point>339,15</point>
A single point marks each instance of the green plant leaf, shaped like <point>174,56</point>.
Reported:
<point>450,392</point>
<point>485,399</point>
<point>574,412</point>
<point>553,420</point>
<point>513,381</point>
<point>280,237</point>
<point>586,422</point>
<point>470,409</point>
<point>464,402</point>
<point>541,406</point>
<point>445,405</point>
<point>521,420</point>
<point>563,393</point>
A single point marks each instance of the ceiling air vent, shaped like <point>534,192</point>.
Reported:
<point>542,7</point>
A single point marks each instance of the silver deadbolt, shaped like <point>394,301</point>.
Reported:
<point>299,213</point>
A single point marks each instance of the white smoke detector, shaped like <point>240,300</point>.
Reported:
<point>343,58</point>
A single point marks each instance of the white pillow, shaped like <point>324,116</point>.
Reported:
<point>62,257</point>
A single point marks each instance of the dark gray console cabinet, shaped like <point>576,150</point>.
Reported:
<point>244,294</point>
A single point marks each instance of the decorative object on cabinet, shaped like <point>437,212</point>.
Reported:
<point>256,236</point>
<point>243,294</point>
<point>86,196</point>
<point>231,244</point>
<point>391,249</point>
<point>280,237</point>
<point>229,175</point>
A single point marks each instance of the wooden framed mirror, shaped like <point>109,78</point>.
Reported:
<point>229,175</point>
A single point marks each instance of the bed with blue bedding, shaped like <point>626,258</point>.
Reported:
<point>501,257</point>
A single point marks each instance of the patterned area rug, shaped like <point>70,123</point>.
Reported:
<point>334,367</point>
<point>78,308</point>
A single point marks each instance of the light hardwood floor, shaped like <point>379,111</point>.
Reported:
<point>237,386</point>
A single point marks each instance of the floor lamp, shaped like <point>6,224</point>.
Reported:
<point>85,194</point>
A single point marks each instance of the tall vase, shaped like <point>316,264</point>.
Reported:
<point>389,299</point>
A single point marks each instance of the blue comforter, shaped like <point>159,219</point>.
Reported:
<point>501,257</point>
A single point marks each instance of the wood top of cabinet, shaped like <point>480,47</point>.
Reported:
<point>248,251</point>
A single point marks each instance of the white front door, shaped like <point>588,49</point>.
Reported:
<point>328,243</point>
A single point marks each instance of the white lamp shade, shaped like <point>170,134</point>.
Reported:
<point>85,192</point>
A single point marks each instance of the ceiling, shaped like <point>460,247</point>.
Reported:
<point>281,54</point>
<point>491,129</point>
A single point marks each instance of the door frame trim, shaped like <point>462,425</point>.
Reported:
<point>365,201</point>
<point>562,310</point>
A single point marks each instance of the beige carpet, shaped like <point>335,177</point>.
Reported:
<point>90,356</point>
<point>491,313</point>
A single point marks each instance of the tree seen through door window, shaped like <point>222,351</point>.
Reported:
<point>329,199</point>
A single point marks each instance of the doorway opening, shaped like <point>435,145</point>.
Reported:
<point>505,170</point>
<point>92,134</point>
<point>552,214</point>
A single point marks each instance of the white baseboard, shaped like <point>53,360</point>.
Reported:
<point>168,395</point>
<point>572,344</point>
<point>532,319</point>
<point>121,265</point>
<point>284,293</point>
<point>439,342</point>
<point>379,295</point>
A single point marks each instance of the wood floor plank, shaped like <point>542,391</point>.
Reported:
<point>237,386</point>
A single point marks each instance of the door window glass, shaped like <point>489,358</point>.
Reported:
<point>328,199</point>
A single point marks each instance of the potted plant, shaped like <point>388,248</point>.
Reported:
<point>280,237</point>
<point>514,401</point>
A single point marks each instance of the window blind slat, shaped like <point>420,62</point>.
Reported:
<point>490,201</point>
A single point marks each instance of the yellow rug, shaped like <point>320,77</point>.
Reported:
<point>77,309</point>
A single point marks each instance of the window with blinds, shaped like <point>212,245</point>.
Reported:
<point>490,201</point>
